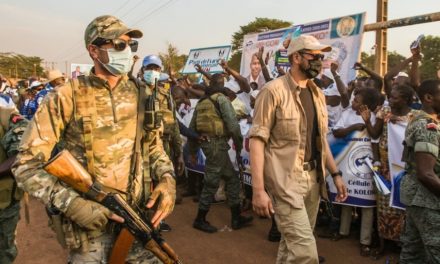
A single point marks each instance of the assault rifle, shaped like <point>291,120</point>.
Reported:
<point>66,168</point>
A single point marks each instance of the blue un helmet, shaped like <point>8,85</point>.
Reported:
<point>152,59</point>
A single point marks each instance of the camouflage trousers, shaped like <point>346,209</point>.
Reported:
<point>218,166</point>
<point>100,249</point>
<point>421,236</point>
<point>8,223</point>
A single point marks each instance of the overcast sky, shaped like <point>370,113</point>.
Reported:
<point>54,29</point>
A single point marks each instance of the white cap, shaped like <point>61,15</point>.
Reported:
<point>306,42</point>
<point>401,74</point>
<point>35,84</point>
<point>232,85</point>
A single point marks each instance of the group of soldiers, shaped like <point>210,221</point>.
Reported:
<point>123,130</point>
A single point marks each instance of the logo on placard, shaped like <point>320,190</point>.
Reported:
<point>196,54</point>
<point>345,26</point>
<point>221,53</point>
<point>249,43</point>
<point>357,164</point>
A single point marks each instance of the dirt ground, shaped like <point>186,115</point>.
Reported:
<point>37,243</point>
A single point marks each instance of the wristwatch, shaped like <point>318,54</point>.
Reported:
<point>334,174</point>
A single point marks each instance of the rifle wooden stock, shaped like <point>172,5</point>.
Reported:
<point>66,168</point>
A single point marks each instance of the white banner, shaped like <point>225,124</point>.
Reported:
<point>350,154</point>
<point>396,135</point>
<point>344,34</point>
<point>208,58</point>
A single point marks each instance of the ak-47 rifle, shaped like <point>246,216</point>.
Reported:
<point>66,168</point>
<point>241,170</point>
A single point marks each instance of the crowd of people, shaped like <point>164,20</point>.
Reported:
<point>116,122</point>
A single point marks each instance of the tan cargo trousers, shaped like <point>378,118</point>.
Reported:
<point>296,225</point>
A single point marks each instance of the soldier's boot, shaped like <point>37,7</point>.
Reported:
<point>200,222</point>
<point>238,220</point>
<point>274,235</point>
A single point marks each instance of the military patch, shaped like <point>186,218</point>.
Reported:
<point>16,118</point>
<point>432,126</point>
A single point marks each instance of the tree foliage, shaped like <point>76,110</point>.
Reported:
<point>394,59</point>
<point>431,59</point>
<point>258,25</point>
<point>430,63</point>
<point>172,58</point>
<point>20,66</point>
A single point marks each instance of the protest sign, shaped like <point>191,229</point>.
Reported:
<point>207,58</point>
<point>396,135</point>
<point>350,154</point>
<point>344,34</point>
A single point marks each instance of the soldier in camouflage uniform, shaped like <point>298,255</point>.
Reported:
<point>420,187</point>
<point>214,119</point>
<point>96,119</point>
<point>172,142</point>
<point>12,126</point>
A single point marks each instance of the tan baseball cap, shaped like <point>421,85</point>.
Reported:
<point>53,75</point>
<point>306,42</point>
<point>108,27</point>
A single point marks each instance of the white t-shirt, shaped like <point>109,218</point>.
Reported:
<point>246,99</point>
<point>349,117</point>
<point>334,112</point>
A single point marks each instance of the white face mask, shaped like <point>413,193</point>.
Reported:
<point>151,77</point>
<point>119,62</point>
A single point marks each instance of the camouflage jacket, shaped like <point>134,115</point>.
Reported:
<point>227,114</point>
<point>9,142</point>
<point>422,135</point>
<point>171,127</point>
<point>12,137</point>
<point>62,117</point>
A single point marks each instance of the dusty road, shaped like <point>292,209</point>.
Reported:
<point>37,243</point>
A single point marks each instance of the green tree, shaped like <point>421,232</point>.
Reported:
<point>394,59</point>
<point>431,59</point>
<point>172,58</point>
<point>258,25</point>
<point>19,66</point>
<point>367,60</point>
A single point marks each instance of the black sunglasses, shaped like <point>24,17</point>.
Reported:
<point>118,44</point>
<point>318,56</point>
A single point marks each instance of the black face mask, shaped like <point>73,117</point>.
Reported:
<point>313,70</point>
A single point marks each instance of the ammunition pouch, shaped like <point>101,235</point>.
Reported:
<point>9,192</point>
<point>168,121</point>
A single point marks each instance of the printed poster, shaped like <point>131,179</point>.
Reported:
<point>350,154</point>
<point>207,58</point>
<point>344,34</point>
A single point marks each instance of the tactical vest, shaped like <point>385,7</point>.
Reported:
<point>208,120</point>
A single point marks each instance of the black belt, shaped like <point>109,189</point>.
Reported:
<point>309,166</point>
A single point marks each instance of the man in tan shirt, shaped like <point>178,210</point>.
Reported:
<point>289,147</point>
